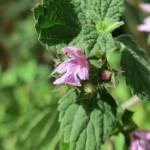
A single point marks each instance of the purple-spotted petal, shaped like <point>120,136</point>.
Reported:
<point>73,70</point>
<point>68,78</point>
<point>144,134</point>
<point>59,80</point>
<point>140,140</point>
<point>72,80</point>
<point>63,67</point>
<point>134,145</point>
<point>83,74</point>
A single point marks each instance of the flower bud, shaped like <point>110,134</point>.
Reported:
<point>88,87</point>
<point>105,75</point>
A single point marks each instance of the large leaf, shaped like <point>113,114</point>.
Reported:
<point>59,22</point>
<point>136,68</point>
<point>56,22</point>
<point>104,9</point>
<point>94,43</point>
<point>91,11</point>
<point>86,123</point>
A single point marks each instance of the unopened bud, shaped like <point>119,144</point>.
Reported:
<point>88,87</point>
<point>105,75</point>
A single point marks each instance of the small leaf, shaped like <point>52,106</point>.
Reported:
<point>109,25</point>
<point>136,68</point>
<point>120,142</point>
<point>96,63</point>
<point>86,123</point>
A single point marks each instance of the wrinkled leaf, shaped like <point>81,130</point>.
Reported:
<point>92,43</point>
<point>86,123</point>
<point>57,25</point>
<point>56,22</point>
<point>136,68</point>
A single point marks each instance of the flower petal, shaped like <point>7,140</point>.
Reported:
<point>144,27</point>
<point>70,77</point>
<point>72,80</point>
<point>83,73</point>
<point>134,145</point>
<point>140,140</point>
<point>147,20</point>
<point>74,69</point>
<point>63,67</point>
<point>145,7</point>
<point>60,80</point>
<point>73,51</point>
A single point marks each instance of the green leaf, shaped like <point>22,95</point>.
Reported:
<point>86,123</point>
<point>99,10</point>
<point>108,25</point>
<point>59,22</point>
<point>91,11</point>
<point>96,63</point>
<point>56,22</point>
<point>93,43</point>
<point>136,68</point>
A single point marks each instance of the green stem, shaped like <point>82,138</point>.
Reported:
<point>130,103</point>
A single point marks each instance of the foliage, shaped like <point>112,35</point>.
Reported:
<point>35,115</point>
<point>93,23</point>
<point>61,27</point>
<point>97,117</point>
<point>136,68</point>
<point>27,100</point>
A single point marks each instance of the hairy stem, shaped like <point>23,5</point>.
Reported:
<point>131,102</point>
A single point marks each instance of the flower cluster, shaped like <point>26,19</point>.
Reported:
<point>145,27</point>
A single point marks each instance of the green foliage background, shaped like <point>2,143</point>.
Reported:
<point>28,101</point>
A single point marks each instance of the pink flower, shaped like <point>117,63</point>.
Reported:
<point>145,27</point>
<point>140,140</point>
<point>74,69</point>
<point>145,7</point>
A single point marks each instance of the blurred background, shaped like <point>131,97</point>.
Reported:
<point>28,100</point>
